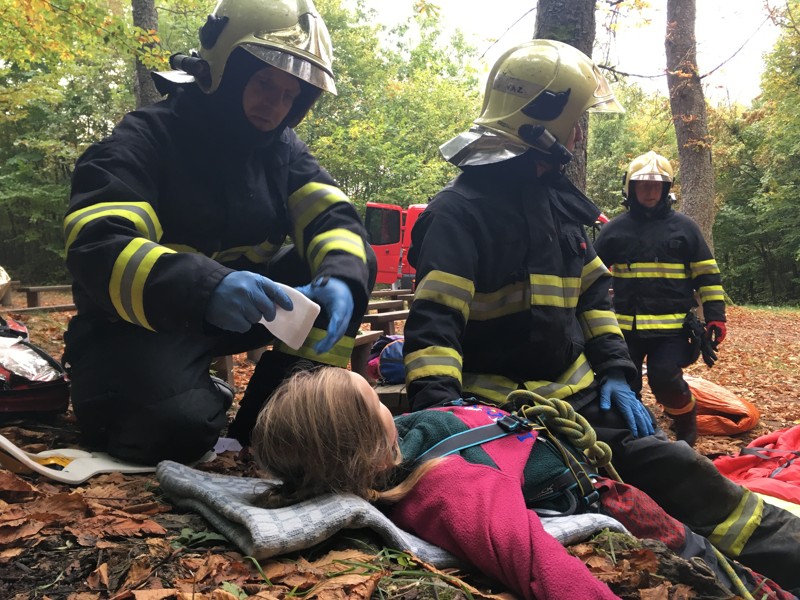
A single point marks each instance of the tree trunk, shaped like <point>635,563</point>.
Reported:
<point>689,116</point>
<point>144,16</point>
<point>571,22</point>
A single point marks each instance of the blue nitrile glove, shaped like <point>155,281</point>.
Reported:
<point>335,297</point>
<point>613,386</point>
<point>242,298</point>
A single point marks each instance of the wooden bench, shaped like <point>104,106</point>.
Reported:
<point>6,298</point>
<point>394,397</point>
<point>385,320</point>
<point>388,293</point>
<point>32,293</point>
<point>384,305</point>
<point>360,354</point>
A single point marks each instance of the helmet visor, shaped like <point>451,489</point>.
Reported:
<point>603,98</point>
<point>294,65</point>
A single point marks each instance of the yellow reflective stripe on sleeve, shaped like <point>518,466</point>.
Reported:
<point>508,300</point>
<point>128,278</point>
<point>704,267</point>
<point>598,322</point>
<point>433,361</point>
<point>307,203</point>
<point>577,377</point>
<point>650,269</point>
<point>709,293</point>
<point>448,290</point>
<point>261,253</point>
<point>687,408</point>
<point>335,239</point>
<point>732,534</point>
<point>494,388</point>
<point>141,214</point>
<point>551,290</point>
<point>338,356</point>
<point>654,322</point>
<point>625,322</point>
<point>592,271</point>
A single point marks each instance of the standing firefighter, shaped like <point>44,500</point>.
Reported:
<point>174,238</point>
<point>511,296</point>
<point>659,259</point>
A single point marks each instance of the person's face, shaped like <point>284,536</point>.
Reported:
<point>268,98</point>
<point>376,406</point>
<point>648,193</point>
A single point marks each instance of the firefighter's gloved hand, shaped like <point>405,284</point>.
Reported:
<point>716,331</point>
<point>614,387</point>
<point>336,299</point>
<point>242,298</point>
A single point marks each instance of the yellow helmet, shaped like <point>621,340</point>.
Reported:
<point>539,90</point>
<point>648,167</point>
<point>287,34</point>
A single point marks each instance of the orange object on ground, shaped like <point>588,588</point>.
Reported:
<point>720,411</point>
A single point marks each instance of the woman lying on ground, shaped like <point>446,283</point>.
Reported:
<point>326,431</point>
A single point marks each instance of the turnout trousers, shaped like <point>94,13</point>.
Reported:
<point>666,358</point>
<point>690,488</point>
<point>145,396</point>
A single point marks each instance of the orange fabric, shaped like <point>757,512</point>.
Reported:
<point>720,411</point>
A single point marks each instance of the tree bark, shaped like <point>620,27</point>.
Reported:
<point>144,16</point>
<point>689,116</point>
<point>571,22</point>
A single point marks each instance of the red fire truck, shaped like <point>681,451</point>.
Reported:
<point>389,229</point>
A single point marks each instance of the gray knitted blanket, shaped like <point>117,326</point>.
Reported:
<point>226,502</point>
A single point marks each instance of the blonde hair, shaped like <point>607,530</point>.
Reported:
<point>318,435</point>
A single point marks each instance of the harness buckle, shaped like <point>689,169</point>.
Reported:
<point>515,423</point>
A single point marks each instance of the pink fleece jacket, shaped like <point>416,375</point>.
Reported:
<point>478,513</point>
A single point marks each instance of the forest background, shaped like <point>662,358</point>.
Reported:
<point>67,76</point>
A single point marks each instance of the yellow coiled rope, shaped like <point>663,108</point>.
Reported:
<point>561,418</point>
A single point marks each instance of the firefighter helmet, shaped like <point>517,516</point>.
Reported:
<point>648,167</point>
<point>287,34</point>
<point>539,90</point>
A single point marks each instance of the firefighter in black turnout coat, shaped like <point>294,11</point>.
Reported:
<point>511,295</point>
<point>175,238</point>
<point>659,260</point>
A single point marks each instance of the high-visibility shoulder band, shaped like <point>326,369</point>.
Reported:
<point>551,290</point>
<point>653,322</point>
<point>687,408</point>
<point>492,388</point>
<point>335,239</point>
<point>709,293</point>
<point>704,267</point>
<point>598,322</point>
<point>128,277</point>
<point>592,271</point>
<point>625,322</point>
<point>433,361</point>
<point>577,377</point>
<point>141,214</point>
<point>650,270</point>
<point>448,290</point>
<point>732,534</point>
<point>338,356</point>
<point>309,202</point>
<point>508,300</point>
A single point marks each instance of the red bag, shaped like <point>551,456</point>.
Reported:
<point>30,379</point>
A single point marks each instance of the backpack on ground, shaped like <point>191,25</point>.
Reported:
<point>385,363</point>
<point>30,379</point>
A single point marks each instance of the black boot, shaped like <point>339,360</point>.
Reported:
<point>685,426</point>
<point>271,370</point>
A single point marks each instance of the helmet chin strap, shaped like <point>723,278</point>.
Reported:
<point>539,138</point>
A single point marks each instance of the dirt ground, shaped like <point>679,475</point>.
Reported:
<point>117,537</point>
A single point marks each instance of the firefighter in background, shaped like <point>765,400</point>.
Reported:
<point>511,295</point>
<point>659,259</point>
<point>175,238</point>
